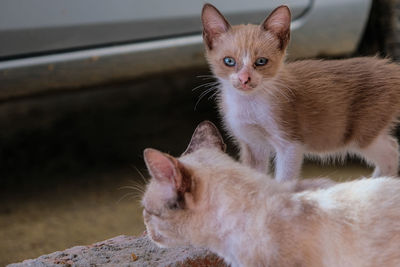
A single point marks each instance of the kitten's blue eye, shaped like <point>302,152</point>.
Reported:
<point>261,61</point>
<point>229,61</point>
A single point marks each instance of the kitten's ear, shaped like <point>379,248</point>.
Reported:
<point>278,23</point>
<point>167,169</point>
<point>214,24</point>
<point>205,135</point>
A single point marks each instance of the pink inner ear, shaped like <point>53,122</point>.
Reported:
<point>213,22</point>
<point>160,165</point>
<point>216,26</point>
<point>278,21</point>
<point>276,26</point>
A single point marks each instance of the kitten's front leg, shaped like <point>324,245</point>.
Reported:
<point>256,157</point>
<point>288,161</point>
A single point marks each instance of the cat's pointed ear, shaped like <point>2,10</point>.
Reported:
<point>167,169</point>
<point>278,23</point>
<point>206,135</point>
<point>214,24</point>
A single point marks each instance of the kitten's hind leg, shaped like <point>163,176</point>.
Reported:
<point>383,152</point>
<point>255,156</point>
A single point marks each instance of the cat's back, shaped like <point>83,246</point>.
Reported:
<point>361,219</point>
<point>346,77</point>
<point>344,69</point>
<point>380,195</point>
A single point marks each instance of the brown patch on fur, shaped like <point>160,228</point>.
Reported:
<point>184,181</point>
<point>207,135</point>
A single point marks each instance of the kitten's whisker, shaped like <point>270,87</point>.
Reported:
<point>203,94</point>
<point>205,77</point>
<point>213,95</point>
<point>209,84</point>
<point>199,86</point>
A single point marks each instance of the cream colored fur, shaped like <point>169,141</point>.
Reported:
<point>206,199</point>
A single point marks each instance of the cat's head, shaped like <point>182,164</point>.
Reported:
<point>174,196</point>
<point>246,56</point>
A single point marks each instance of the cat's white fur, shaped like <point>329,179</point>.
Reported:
<point>250,219</point>
<point>250,118</point>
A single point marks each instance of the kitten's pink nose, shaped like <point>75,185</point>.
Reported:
<point>244,77</point>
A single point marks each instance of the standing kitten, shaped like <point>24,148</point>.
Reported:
<point>307,107</point>
<point>206,199</point>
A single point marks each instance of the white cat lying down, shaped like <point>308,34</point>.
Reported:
<point>206,199</point>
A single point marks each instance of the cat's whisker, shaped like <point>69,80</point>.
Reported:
<point>209,84</point>
<point>203,94</point>
<point>206,77</point>
<point>213,95</point>
<point>137,188</point>
<point>209,90</point>
<point>139,201</point>
<point>141,175</point>
<point>201,85</point>
<point>136,198</point>
<point>134,187</point>
<point>125,196</point>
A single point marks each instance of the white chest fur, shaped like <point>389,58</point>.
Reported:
<point>249,117</point>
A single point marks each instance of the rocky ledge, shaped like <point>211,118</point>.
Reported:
<point>125,251</point>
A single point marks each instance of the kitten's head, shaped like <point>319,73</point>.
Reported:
<point>246,55</point>
<point>174,195</point>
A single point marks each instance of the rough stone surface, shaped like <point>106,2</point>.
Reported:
<point>125,251</point>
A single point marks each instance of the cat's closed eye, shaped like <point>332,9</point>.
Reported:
<point>176,204</point>
<point>173,206</point>
<point>153,213</point>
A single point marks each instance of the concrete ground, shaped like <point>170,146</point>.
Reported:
<point>71,162</point>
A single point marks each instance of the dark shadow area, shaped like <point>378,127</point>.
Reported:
<point>61,137</point>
